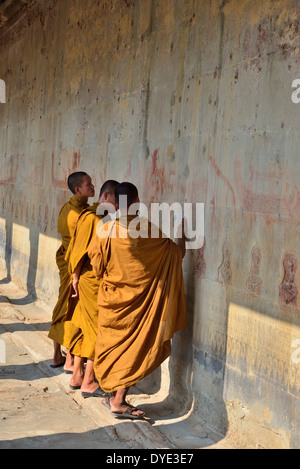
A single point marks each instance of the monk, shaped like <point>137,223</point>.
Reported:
<point>85,288</point>
<point>61,332</point>
<point>141,303</point>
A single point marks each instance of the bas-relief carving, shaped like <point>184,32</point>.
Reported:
<point>224,271</point>
<point>254,282</point>
<point>288,291</point>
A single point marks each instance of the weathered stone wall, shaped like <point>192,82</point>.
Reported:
<point>190,100</point>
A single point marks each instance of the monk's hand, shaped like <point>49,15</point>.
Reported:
<point>75,289</point>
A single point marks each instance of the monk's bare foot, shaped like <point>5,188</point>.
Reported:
<point>58,360</point>
<point>76,380</point>
<point>89,387</point>
<point>57,363</point>
<point>69,365</point>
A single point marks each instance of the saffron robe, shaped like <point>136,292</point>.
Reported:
<point>141,303</point>
<point>85,314</point>
<point>62,332</point>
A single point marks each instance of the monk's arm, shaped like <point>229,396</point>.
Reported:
<point>96,257</point>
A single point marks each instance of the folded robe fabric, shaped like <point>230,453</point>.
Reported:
<point>61,331</point>
<point>85,313</point>
<point>141,302</point>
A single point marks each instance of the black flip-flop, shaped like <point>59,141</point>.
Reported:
<point>106,402</point>
<point>58,366</point>
<point>97,393</point>
<point>127,414</point>
<point>74,388</point>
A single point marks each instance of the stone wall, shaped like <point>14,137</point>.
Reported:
<point>190,100</point>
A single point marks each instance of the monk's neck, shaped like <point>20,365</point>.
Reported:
<point>77,200</point>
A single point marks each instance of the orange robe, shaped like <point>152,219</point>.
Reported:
<point>141,304</point>
<point>85,314</point>
<point>63,332</point>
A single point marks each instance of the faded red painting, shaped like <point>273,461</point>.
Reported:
<point>288,291</point>
<point>254,282</point>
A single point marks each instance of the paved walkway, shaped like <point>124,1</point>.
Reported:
<point>38,410</point>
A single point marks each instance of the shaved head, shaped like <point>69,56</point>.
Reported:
<point>108,186</point>
<point>128,189</point>
<point>75,180</point>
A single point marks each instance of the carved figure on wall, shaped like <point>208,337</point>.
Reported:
<point>254,282</point>
<point>288,291</point>
<point>39,221</point>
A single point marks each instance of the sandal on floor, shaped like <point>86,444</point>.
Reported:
<point>106,402</point>
<point>74,388</point>
<point>58,366</point>
<point>97,393</point>
<point>128,414</point>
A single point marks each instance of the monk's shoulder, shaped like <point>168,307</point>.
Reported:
<point>104,228</point>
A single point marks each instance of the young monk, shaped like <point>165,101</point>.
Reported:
<point>141,304</point>
<point>62,333</point>
<point>85,290</point>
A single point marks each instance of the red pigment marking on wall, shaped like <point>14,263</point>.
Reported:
<point>271,203</point>
<point>288,291</point>
<point>225,181</point>
<point>200,264</point>
<point>158,176</point>
<point>13,171</point>
<point>35,177</point>
<point>39,220</point>
<point>214,220</point>
<point>62,183</point>
<point>224,271</point>
<point>76,161</point>
<point>154,179</point>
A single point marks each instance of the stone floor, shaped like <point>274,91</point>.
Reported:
<point>38,410</point>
